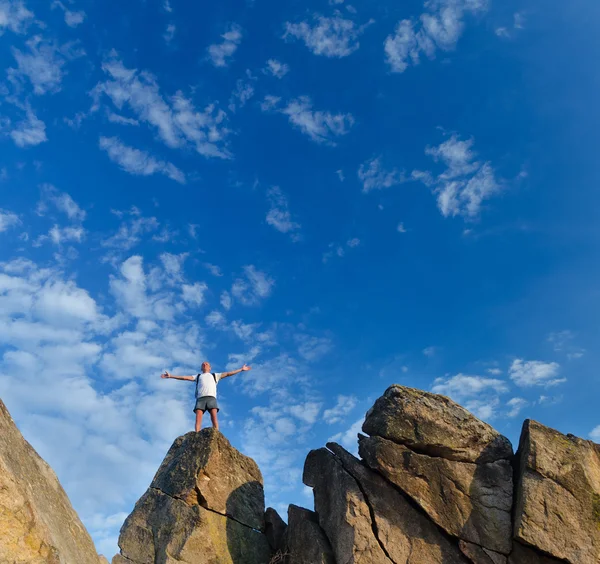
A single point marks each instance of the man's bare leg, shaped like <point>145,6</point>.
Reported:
<point>213,418</point>
<point>199,414</point>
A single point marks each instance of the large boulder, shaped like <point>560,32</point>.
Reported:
<point>304,542</point>
<point>274,528</point>
<point>38,525</point>
<point>557,505</point>
<point>435,425</point>
<point>385,519</point>
<point>205,505</point>
<point>470,501</point>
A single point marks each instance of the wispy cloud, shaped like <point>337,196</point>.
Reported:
<point>312,348</point>
<point>330,37</point>
<point>336,414</point>
<point>279,215</point>
<point>29,131</point>
<point>465,183</point>
<point>253,288</point>
<point>8,220</point>
<point>528,373</point>
<point>222,53</point>
<point>72,18</point>
<point>516,405</point>
<point>176,120</point>
<point>276,68</point>
<point>63,202</point>
<point>562,341</point>
<point>339,250</point>
<point>138,162</point>
<point>169,33</point>
<point>374,177</point>
<point>439,28</point>
<point>517,25</point>
<point>244,90</point>
<point>320,126</point>
<point>14,16</point>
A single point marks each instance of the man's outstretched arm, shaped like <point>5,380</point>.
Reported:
<point>244,368</point>
<point>172,377</point>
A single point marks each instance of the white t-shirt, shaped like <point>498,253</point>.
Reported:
<point>206,384</point>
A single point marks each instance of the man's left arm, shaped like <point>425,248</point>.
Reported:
<point>244,368</point>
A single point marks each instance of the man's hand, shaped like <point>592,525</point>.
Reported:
<point>165,375</point>
<point>245,368</point>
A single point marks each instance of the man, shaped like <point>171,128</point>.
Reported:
<point>206,391</point>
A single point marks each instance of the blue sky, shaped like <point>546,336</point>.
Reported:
<point>344,195</point>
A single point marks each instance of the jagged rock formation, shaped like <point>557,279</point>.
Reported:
<point>38,525</point>
<point>434,485</point>
<point>205,505</point>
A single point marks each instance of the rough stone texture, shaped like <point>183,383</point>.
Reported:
<point>37,522</point>
<point>304,541</point>
<point>204,468</point>
<point>343,512</point>
<point>557,507</point>
<point>202,507</point>
<point>480,555</point>
<point>435,425</point>
<point>274,528</point>
<point>525,555</point>
<point>470,501</point>
<point>404,534</point>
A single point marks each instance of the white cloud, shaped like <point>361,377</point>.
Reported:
<point>279,215</point>
<point>121,120</point>
<point>465,184</point>
<point>312,348</point>
<point>8,220</point>
<point>194,293</point>
<point>221,54</point>
<point>244,90</point>
<point>349,438</point>
<point>176,119</point>
<point>463,386</point>
<point>330,37</point>
<point>14,16</point>
<point>516,406</point>
<point>518,24</point>
<point>42,65</point>
<point>138,162</point>
<point>535,373</point>
<point>343,406</point>
<point>340,250</point>
<point>59,235</point>
<point>169,33</point>
<point>226,301</point>
<point>440,28</point>
<point>400,228</point>
<point>72,19</point>
<point>276,68</point>
<point>269,103</point>
<point>595,434</point>
<point>374,177</point>
<point>255,287</point>
<point>429,351</point>
<point>562,341</point>
<point>62,201</point>
<point>130,232</point>
<point>29,131</point>
<point>320,126</point>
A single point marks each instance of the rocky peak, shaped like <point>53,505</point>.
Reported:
<point>38,525</point>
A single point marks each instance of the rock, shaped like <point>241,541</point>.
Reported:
<point>304,541</point>
<point>524,555</point>
<point>274,528</point>
<point>435,425</point>
<point>343,512</point>
<point>470,501</point>
<point>200,508</point>
<point>204,468</point>
<point>37,522</point>
<point>557,507</point>
<point>402,532</point>
<point>480,555</point>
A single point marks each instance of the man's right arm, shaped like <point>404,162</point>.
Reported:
<point>173,377</point>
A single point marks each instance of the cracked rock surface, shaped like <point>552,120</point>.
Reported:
<point>38,525</point>
<point>366,519</point>
<point>470,501</point>
<point>205,505</point>
<point>558,494</point>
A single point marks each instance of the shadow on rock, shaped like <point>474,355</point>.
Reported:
<point>245,545</point>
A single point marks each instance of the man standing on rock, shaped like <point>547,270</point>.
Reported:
<point>206,391</point>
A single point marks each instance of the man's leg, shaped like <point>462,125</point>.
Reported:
<point>213,418</point>
<point>199,414</point>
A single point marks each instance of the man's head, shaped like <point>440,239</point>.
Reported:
<point>205,367</point>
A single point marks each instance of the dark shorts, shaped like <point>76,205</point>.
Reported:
<point>206,402</point>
